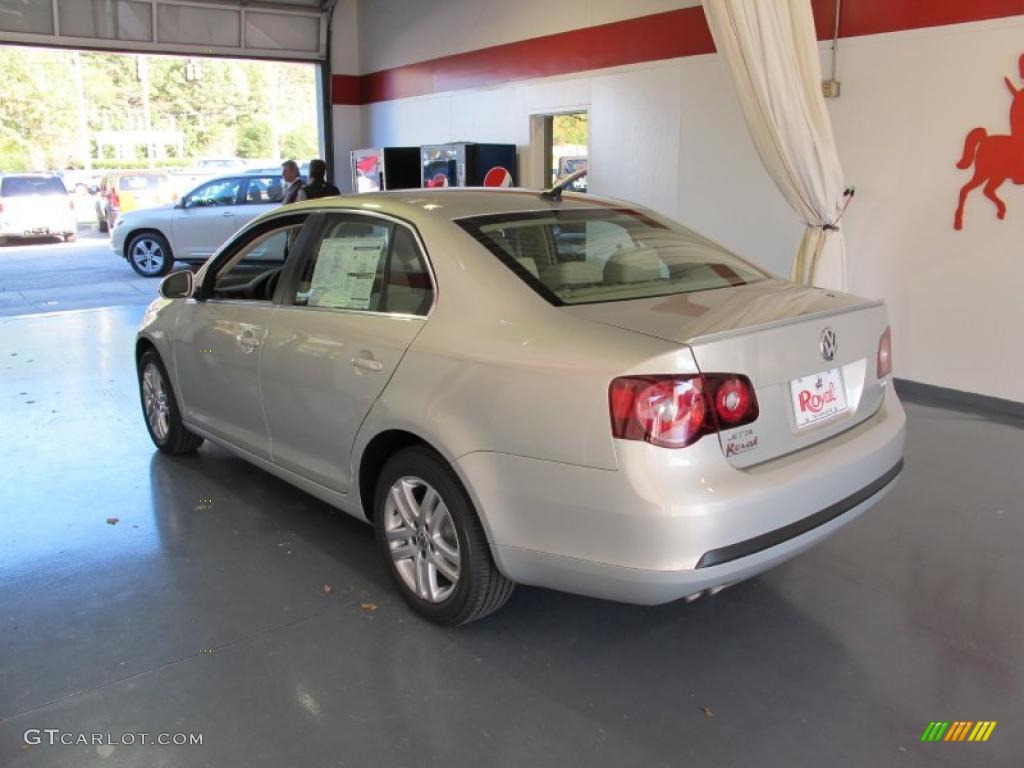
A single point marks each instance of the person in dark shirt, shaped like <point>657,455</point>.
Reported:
<point>318,186</point>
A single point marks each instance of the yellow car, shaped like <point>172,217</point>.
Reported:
<point>123,191</point>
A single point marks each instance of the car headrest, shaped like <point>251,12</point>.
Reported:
<point>571,273</point>
<point>637,265</point>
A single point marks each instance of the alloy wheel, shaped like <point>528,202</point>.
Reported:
<point>148,255</point>
<point>154,401</point>
<point>421,539</point>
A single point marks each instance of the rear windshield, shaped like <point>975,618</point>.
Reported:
<point>139,183</point>
<point>597,255</point>
<point>22,186</point>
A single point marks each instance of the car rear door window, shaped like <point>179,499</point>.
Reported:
<point>408,289</point>
<point>366,264</point>
<point>345,269</point>
<point>263,190</point>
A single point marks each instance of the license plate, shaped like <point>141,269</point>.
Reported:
<point>818,397</point>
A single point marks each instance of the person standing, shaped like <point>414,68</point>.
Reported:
<point>318,185</point>
<point>292,177</point>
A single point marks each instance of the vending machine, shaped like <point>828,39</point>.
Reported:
<point>467,164</point>
<point>385,168</point>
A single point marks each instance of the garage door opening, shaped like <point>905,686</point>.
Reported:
<point>67,110</point>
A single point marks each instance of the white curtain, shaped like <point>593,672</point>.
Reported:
<point>770,51</point>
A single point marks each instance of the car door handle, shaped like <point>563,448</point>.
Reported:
<point>367,364</point>
<point>228,213</point>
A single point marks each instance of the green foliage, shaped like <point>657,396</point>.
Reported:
<point>570,129</point>
<point>243,108</point>
<point>301,143</point>
<point>14,155</point>
<point>253,138</point>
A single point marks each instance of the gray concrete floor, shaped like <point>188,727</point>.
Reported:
<point>47,275</point>
<point>202,610</point>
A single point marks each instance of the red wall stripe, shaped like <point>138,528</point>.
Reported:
<point>647,38</point>
<point>345,90</point>
<point>871,17</point>
<point>669,35</point>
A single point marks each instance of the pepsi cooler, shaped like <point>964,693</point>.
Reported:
<point>385,168</point>
<point>467,164</point>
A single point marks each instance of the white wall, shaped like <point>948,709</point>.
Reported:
<point>670,135</point>
<point>956,299</point>
<point>398,32</point>
<point>347,120</point>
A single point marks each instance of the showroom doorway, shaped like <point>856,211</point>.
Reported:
<point>560,145</point>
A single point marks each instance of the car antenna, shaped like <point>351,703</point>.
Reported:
<point>555,193</point>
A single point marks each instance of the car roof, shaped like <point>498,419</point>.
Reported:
<point>462,202</point>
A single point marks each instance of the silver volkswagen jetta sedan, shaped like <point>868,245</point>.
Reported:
<point>570,392</point>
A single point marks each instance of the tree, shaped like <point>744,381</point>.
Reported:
<point>14,155</point>
<point>253,138</point>
<point>301,143</point>
<point>233,107</point>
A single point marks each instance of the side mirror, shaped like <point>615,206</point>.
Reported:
<point>178,285</point>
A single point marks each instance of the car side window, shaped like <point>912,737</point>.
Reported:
<point>264,189</point>
<point>345,269</point>
<point>253,272</point>
<point>408,289</point>
<point>214,193</point>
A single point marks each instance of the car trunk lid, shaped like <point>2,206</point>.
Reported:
<point>771,332</point>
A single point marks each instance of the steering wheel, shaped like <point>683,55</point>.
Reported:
<point>260,287</point>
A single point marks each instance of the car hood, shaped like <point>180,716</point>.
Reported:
<point>161,211</point>
<point>689,317</point>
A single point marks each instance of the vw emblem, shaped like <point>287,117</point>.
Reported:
<point>827,344</point>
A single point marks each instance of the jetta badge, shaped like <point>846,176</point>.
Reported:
<point>827,344</point>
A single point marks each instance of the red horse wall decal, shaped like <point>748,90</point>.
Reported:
<point>995,158</point>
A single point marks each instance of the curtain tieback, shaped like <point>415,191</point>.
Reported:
<point>848,194</point>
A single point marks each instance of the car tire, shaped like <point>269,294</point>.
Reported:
<point>70,237</point>
<point>437,553</point>
<point>150,255</point>
<point>101,222</point>
<point>160,408</point>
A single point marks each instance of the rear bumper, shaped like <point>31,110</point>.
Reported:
<point>669,524</point>
<point>55,226</point>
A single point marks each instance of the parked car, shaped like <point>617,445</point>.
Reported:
<point>264,170</point>
<point>124,191</point>
<point>220,164</point>
<point>193,228</point>
<point>81,182</point>
<point>651,419</point>
<point>34,205</point>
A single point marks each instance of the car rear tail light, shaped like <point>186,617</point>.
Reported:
<point>885,354</point>
<point>71,204</point>
<point>735,402</point>
<point>676,410</point>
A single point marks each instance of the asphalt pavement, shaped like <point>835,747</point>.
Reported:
<point>48,275</point>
